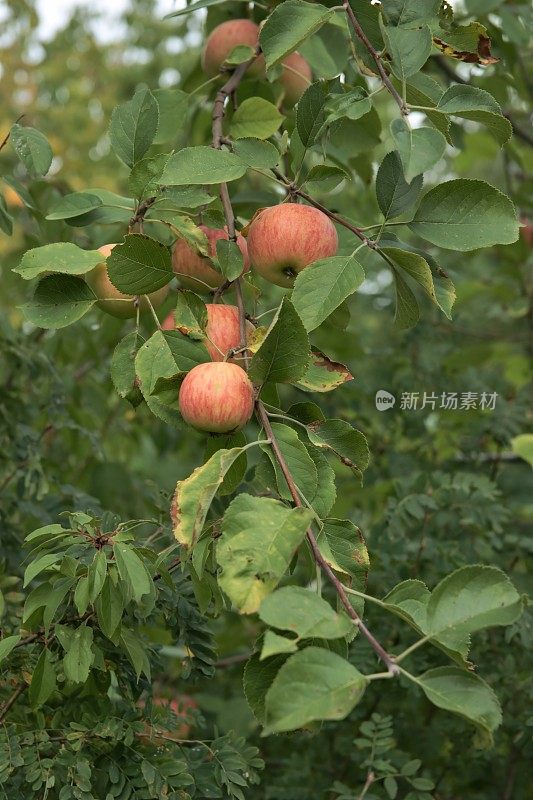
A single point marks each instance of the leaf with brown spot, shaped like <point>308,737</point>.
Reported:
<point>323,374</point>
<point>469,43</point>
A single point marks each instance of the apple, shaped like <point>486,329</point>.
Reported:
<point>195,271</point>
<point>284,239</point>
<point>224,38</point>
<point>296,77</point>
<point>222,330</point>
<point>181,706</point>
<point>111,299</point>
<point>217,397</point>
<point>527,231</point>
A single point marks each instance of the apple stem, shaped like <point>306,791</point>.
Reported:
<point>226,91</point>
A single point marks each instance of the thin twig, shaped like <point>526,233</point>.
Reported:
<point>331,214</point>
<point>387,659</point>
<point>12,700</point>
<point>359,32</point>
<point>227,90</point>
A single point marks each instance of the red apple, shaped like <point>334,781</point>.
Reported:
<point>217,397</point>
<point>224,38</point>
<point>111,299</point>
<point>222,330</point>
<point>283,240</point>
<point>295,78</point>
<point>527,231</point>
<point>195,271</point>
<point>181,706</point>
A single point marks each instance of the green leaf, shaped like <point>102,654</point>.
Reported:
<point>172,105</point>
<point>194,495</point>
<point>259,538</point>
<point>6,220</point>
<point>230,259</point>
<point>59,300</point>
<point>133,126</point>
<point>324,178</point>
<point>123,367</point>
<point>469,102</point>
<point>109,607</point>
<point>326,493</point>
<point>522,445</point>
<point>418,269</point>
<point>33,149</point>
<point>139,265</point>
<point>72,205</point>
<point>255,117</point>
<point>465,215</point>
<point>284,352</point>
<point>310,113</point>
<point>304,613</point>
<point>256,153</point>
<point>62,257</point>
<point>300,463</point>
<point>408,49</point>
<point>346,442</point>
<point>136,652</point>
<point>236,472</point>
<point>258,677</point>
<point>43,680</point>
<point>419,148</point>
<point>81,595</point>
<point>190,314</point>
<point>273,644</point>
<point>290,24</point>
<point>391,786</point>
<point>327,50</point>
<point>40,565</point>
<point>472,598</point>
<point>407,312</point>
<point>80,656</point>
<point>343,546</point>
<point>314,684</point>
<point>465,694</point>
<point>144,177</point>
<point>323,285</point>
<point>182,197</point>
<point>97,574</point>
<point>194,7</point>
<point>7,644</point>
<point>394,195</point>
<point>411,13</point>
<point>132,571</point>
<point>323,374</point>
<point>350,105</point>
<point>202,165</point>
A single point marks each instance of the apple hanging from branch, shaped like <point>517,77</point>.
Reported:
<point>196,272</point>
<point>284,239</point>
<point>222,331</point>
<point>217,397</point>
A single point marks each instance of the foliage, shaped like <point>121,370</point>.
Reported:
<point>137,576</point>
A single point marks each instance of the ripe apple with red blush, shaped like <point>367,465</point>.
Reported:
<point>196,272</point>
<point>224,38</point>
<point>295,78</point>
<point>111,299</point>
<point>283,240</point>
<point>223,331</point>
<point>216,397</point>
<point>527,231</point>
